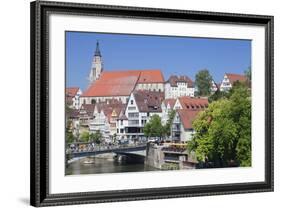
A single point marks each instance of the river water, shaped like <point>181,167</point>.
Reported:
<point>105,165</point>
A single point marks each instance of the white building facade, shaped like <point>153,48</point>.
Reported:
<point>225,84</point>
<point>181,129</point>
<point>214,87</point>
<point>229,80</point>
<point>137,113</point>
<point>98,99</point>
<point>179,86</point>
<point>100,123</point>
<point>159,87</point>
<point>167,106</point>
<point>73,97</point>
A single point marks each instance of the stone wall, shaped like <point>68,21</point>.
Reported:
<point>154,156</point>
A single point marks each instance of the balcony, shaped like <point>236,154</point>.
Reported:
<point>133,116</point>
<point>177,120</point>
<point>176,129</point>
<point>133,123</point>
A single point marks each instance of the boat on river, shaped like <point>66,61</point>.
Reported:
<point>89,161</point>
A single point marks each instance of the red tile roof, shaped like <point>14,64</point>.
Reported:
<point>109,106</point>
<point>170,101</point>
<point>174,79</point>
<point>151,76</point>
<point>73,113</point>
<point>193,102</point>
<point>69,100</point>
<point>187,117</point>
<point>236,77</point>
<point>71,91</point>
<point>121,83</point>
<point>88,108</point>
<point>113,84</point>
<point>122,117</point>
<point>149,101</point>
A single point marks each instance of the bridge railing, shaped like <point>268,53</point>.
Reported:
<point>90,148</point>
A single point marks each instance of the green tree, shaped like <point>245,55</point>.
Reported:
<point>68,112</point>
<point>227,94</point>
<point>97,137</point>
<point>203,82</point>
<point>69,137</point>
<point>223,131</point>
<point>167,127</point>
<point>248,74</point>
<point>241,115</point>
<point>114,137</point>
<point>85,136</point>
<point>68,132</point>
<point>154,127</point>
<point>217,95</point>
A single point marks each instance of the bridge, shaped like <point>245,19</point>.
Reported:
<point>138,150</point>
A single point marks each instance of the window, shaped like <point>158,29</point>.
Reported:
<point>131,108</point>
<point>143,122</point>
<point>93,101</point>
<point>132,102</point>
<point>117,130</point>
<point>133,115</point>
<point>147,114</point>
<point>134,122</point>
<point>84,101</point>
<point>122,131</point>
<point>121,122</point>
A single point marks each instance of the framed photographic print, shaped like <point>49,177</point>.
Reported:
<point>131,103</point>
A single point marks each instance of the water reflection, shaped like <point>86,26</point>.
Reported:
<point>95,165</point>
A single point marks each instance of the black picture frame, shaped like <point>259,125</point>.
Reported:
<point>39,187</point>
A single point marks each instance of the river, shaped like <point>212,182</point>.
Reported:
<point>105,165</point>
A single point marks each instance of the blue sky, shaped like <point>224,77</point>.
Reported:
<point>173,55</point>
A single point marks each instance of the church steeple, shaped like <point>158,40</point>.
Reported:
<point>97,52</point>
<point>97,65</point>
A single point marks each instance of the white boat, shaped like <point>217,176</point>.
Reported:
<point>89,161</point>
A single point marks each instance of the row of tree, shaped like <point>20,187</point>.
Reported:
<point>203,81</point>
<point>91,137</point>
<point>223,131</point>
<point>155,128</point>
<point>84,137</point>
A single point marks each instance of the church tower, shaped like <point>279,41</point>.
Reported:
<point>97,66</point>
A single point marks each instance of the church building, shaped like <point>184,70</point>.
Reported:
<point>106,85</point>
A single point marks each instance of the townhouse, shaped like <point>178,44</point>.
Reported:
<point>73,97</point>
<point>142,104</point>
<point>230,79</point>
<point>178,86</point>
<point>187,108</point>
